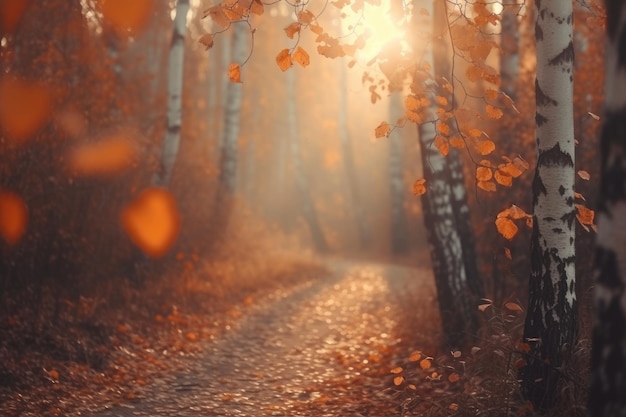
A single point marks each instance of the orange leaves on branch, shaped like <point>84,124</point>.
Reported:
<point>110,155</point>
<point>493,112</point>
<point>152,221</point>
<point>487,186</point>
<point>218,15</point>
<point>485,147</point>
<point>425,364</point>
<point>13,217</point>
<point>382,130</point>
<point>301,57</point>
<point>234,73</point>
<point>283,59</point>
<point>398,380</point>
<point>127,17</point>
<point>306,17</point>
<point>419,187</point>
<point>442,145</point>
<point>506,227</point>
<point>24,107</point>
<point>397,370</point>
<point>483,174</point>
<point>292,29</point>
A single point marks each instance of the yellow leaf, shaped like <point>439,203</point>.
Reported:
<point>283,59</point>
<point>398,380</point>
<point>506,227</point>
<point>152,221</point>
<point>487,186</point>
<point>13,217</point>
<point>207,41</point>
<point>292,29</point>
<point>396,370</point>
<point>301,57</point>
<point>584,175</point>
<point>234,73</point>
<point>383,129</point>
<point>485,147</point>
<point>483,174</point>
<point>419,187</point>
<point>425,364</point>
<point>493,112</point>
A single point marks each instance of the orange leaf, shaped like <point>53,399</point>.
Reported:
<point>457,142</point>
<point>257,7</point>
<point>396,370</point>
<point>491,94</point>
<point>442,145</point>
<point>305,17</point>
<point>454,377</point>
<point>13,217</point>
<point>584,215</point>
<point>301,57</point>
<point>503,179</point>
<point>54,374</point>
<point>443,128</point>
<point>234,73</point>
<point>398,380</point>
<point>425,364</point>
<point>415,356</point>
<point>485,147</point>
<point>24,107</point>
<point>441,100</point>
<point>383,129</point>
<point>283,59</point>
<point>483,174</point>
<point>584,175</point>
<point>487,186</point>
<point>207,41</point>
<point>506,227</point>
<point>191,336</point>
<point>513,306</point>
<point>412,103</point>
<point>110,155</point>
<point>152,221</point>
<point>292,29</point>
<point>218,15</point>
<point>493,112</point>
<point>475,133</point>
<point>419,187</point>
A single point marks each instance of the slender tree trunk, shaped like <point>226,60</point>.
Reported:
<point>608,352</point>
<point>169,149</point>
<point>302,183</point>
<point>348,160</point>
<point>232,113</point>
<point>399,236</point>
<point>551,320</point>
<point>509,47</point>
<point>454,295</point>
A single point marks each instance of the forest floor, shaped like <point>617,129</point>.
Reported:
<point>321,343</point>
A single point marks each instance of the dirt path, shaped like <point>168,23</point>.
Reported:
<point>321,348</point>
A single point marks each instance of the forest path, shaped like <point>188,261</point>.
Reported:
<point>320,348</point>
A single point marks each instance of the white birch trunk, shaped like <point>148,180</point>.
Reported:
<point>171,141</point>
<point>608,356</point>
<point>550,327</point>
<point>509,47</point>
<point>399,236</point>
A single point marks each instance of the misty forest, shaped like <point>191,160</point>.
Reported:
<point>312,208</point>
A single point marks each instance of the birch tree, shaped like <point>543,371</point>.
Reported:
<point>608,352</point>
<point>550,326</point>
<point>399,236</point>
<point>509,47</point>
<point>171,141</point>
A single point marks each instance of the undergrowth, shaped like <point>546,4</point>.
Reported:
<point>483,380</point>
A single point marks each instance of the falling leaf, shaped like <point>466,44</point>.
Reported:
<point>13,217</point>
<point>234,73</point>
<point>207,41</point>
<point>24,107</point>
<point>127,17</point>
<point>152,221</point>
<point>584,215</point>
<point>454,377</point>
<point>383,129</point>
<point>425,364</point>
<point>283,59</point>
<point>584,175</point>
<point>301,57</point>
<point>513,306</point>
<point>110,155</point>
<point>593,115</point>
<point>396,370</point>
<point>419,187</point>
<point>292,29</point>
<point>398,380</point>
<point>506,227</point>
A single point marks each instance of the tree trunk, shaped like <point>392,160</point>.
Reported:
<point>302,183</point>
<point>399,236</point>
<point>608,351</point>
<point>454,295</point>
<point>348,160</point>
<point>509,49</point>
<point>551,320</point>
<point>171,141</point>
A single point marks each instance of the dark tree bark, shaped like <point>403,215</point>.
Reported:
<point>608,352</point>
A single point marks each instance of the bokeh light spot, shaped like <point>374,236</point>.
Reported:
<point>13,217</point>
<point>127,17</point>
<point>24,107</point>
<point>108,156</point>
